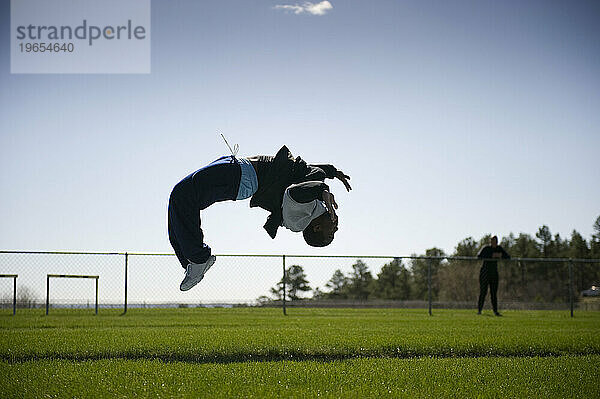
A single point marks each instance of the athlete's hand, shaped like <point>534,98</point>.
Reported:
<point>330,204</point>
<point>344,178</point>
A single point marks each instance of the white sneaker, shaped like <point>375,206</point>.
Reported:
<point>194,273</point>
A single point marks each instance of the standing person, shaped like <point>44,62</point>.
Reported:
<point>488,275</point>
<point>290,189</point>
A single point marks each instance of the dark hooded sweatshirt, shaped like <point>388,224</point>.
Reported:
<point>277,173</point>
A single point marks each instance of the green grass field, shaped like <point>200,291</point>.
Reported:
<point>245,352</point>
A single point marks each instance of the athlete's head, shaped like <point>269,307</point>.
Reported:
<point>494,241</point>
<point>320,232</point>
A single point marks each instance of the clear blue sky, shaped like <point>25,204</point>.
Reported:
<point>453,119</point>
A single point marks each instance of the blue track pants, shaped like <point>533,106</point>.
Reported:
<point>216,182</point>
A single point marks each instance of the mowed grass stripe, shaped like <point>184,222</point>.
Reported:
<point>557,377</point>
<point>271,357</point>
<point>234,335</point>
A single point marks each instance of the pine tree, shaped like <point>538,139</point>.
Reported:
<point>468,247</point>
<point>545,238</point>
<point>393,281</point>
<point>360,280</point>
<point>295,282</point>
<point>419,269</point>
<point>337,284</point>
<point>595,241</point>
<point>584,273</point>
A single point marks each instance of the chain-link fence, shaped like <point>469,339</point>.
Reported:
<point>127,280</point>
<point>447,282</point>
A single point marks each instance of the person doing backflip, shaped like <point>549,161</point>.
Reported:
<point>292,191</point>
<point>488,274</point>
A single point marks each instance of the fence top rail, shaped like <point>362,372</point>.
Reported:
<point>61,253</point>
<point>449,257</point>
<point>72,276</point>
<point>9,275</point>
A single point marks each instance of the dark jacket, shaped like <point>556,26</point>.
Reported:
<point>487,254</point>
<point>277,173</point>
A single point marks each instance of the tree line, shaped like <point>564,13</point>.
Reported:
<point>457,280</point>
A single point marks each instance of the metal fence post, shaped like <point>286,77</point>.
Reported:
<point>523,281</point>
<point>47,293</point>
<point>283,280</point>
<point>96,295</point>
<point>14,295</point>
<point>126,264</point>
<point>571,285</point>
<point>429,283</point>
